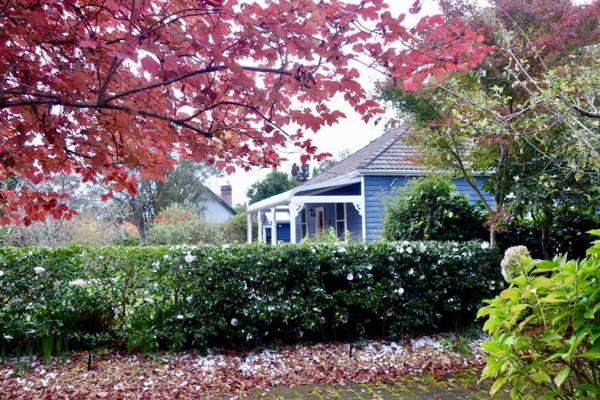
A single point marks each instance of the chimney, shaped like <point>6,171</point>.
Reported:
<point>226,193</point>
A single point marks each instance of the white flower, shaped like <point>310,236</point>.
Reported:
<point>234,321</point>
<point>189,258</point>
<point>179,316</point>
<point>511,263</point>
<point>226,246</point>
<point>350,276</point>
<point>400,291</point>
<point>485,245</point>
<point>189,298</point>
<point>422,277</point>
<point>411,271</point>
<point>1,273</point>
<point>8,337</point>
<point>39,270</point>
<point>78,282</point>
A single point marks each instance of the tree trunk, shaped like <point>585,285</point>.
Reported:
<point>141,227</point>
<point>493,236</point>
<point>545,233</point>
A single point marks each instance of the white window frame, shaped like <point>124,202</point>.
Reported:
<point>322,211</point>
<point>344,219</point>
<point>304,224</point>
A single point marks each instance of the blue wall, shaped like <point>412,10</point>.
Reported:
<point>377,188</point>
<point>354,222</point>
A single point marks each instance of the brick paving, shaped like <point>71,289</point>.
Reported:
<point>463,386</point>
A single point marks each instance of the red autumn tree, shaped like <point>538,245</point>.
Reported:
<point>96,87</point>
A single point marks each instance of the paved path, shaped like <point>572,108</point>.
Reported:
<point>427,387</point>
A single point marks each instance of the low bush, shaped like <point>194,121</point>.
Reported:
<point>430,208</point>
<point>240,296</point>
<point>545,330</point>
<point>181,224</point>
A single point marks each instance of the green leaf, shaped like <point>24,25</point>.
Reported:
<point>560,378</point>
<point>498,385</point>
<point>590,314</point>
<point>540,377</point>
<point>553,298</point>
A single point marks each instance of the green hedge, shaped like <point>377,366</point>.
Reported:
<point>241,296</point>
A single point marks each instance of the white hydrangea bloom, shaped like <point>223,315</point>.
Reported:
<point>511,263</point>
<point>78,282</point>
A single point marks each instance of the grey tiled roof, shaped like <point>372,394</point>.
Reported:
<point>386,153</point>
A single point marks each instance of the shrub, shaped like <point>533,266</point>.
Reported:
<point>181,224</point>
<point>235,229</point>
<point>240,296</point>
<point>430,209</point>
<point>545,330</point>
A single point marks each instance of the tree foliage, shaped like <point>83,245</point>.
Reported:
<point>431,209</point>
<point>274,183</point>
<point>100,88</point>
<point>522,109</point>
<point>182,185</point>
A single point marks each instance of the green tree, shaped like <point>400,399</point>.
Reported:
<point>183,185</point>
<point>274,183</point>
<point>431,209</point>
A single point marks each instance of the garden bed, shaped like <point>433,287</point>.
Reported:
<point>190,374</point>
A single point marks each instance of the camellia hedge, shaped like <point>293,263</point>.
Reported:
<point>242,296</point>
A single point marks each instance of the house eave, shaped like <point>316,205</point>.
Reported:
<point>409,172</point>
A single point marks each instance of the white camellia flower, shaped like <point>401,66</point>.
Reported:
<point>39,270</point>
<point>411,271</point>
<point>400,291</point>
<point>234,321</point>
<point>179,316</point>
<point>8,337</point>
<point>485,245</point>
<point>189,258</point>
<point>1,273</point>
<point>78,282</point>
<point>350,276</point>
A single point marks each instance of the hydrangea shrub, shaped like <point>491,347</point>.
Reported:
<point>545,330</point>
<point>238,296</point>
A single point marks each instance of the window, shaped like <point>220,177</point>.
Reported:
<point>303,223</point>
<point>340,220</point>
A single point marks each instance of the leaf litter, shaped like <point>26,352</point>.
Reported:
<point>191,374</point>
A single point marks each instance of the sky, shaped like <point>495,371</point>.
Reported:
<point>351,133</point>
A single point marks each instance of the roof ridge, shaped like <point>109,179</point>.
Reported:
<point>397,134</point>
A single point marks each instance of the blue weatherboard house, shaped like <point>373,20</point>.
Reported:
<point>349,196</point>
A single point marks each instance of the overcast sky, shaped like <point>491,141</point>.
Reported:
<point>351,133</point>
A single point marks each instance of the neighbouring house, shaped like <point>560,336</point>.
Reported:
<point>349,197</point>
<point>218,209</point>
